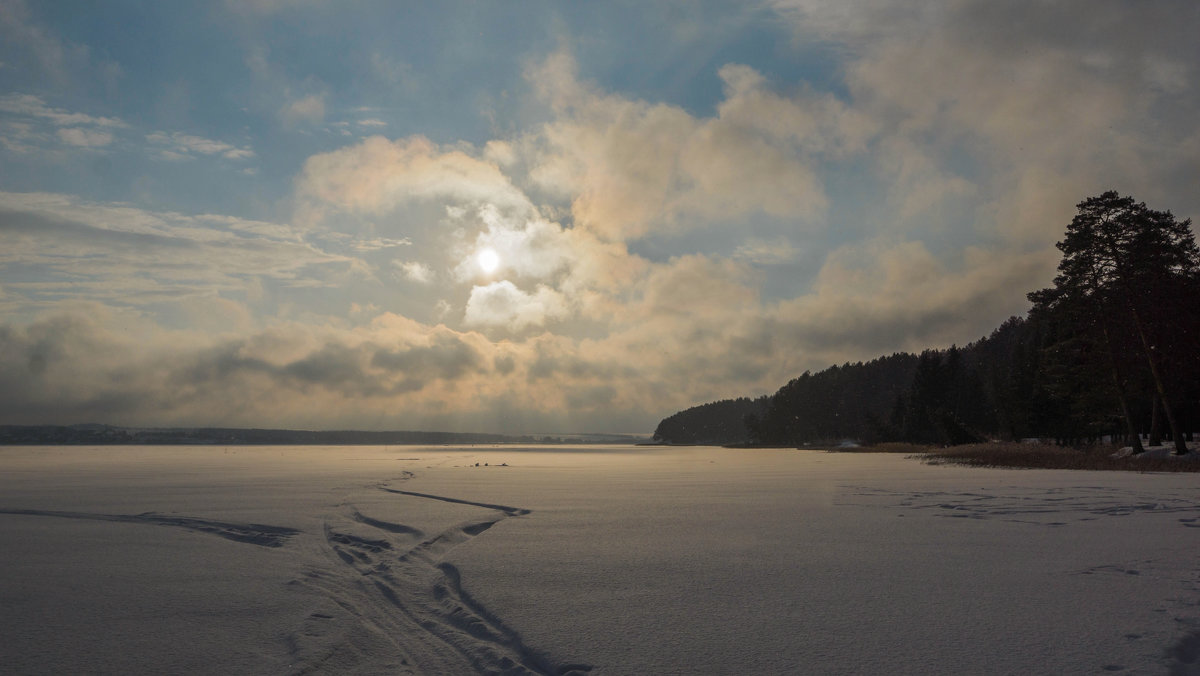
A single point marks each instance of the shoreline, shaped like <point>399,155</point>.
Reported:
<point>1015,455</point>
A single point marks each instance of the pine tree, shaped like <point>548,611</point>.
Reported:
<point>1122,263</point>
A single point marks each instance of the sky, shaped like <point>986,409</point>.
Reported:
<point>539,217</point>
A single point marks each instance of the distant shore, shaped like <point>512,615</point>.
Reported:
<point>109,435</point>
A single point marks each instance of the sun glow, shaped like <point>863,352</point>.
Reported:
<point>488,260</point>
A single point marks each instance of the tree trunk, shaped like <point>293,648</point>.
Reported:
<point>1134,438</point>
<point>1155,421</point>
<point>1176,435</point>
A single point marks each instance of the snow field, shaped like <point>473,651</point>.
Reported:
<point>600,560</point>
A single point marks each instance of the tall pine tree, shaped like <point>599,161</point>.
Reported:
<point>1122,266</point>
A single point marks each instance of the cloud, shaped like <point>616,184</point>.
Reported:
<point>653,256</point>
<point>415,272</point>
<point>82,130</point>
<point>32,106</point>
<point>378,175</point>
<point>34,364</point>
<point>527,245</point>
<point>1021,111</point>
<point>878,296</point>
<point>33,126</point>
<point>119,254</point>
<point>853,26</point>
<point>696,287</point>
<point>93,364</point>
<point>444,356</point>
<point>502,304</point>
<point>576,272</point>
<point>633,170</point>
<point>303,100</point>
<point>378,243</point>
<point>309,109</point>
<point>179,145</point>
<point>85,138</point>
<point>656,354</point>
<point>630,168</point>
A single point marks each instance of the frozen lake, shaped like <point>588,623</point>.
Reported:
<point>600,560</point>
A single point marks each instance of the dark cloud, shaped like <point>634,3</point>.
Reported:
<point>504,365</point>
<point>335,367</point>
<point>56,371</point>
<point>76,366</point>
<point>362,370</point>
<point>591,398</point>
<point>569,365</point>
<point>448,357</point>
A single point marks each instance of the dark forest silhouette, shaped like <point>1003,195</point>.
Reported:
<point>1112,348</point>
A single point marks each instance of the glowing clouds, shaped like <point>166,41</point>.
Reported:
<point>502,304</point>
<point>378,175</point>
<point>632,168</point>
<point>488,261</point>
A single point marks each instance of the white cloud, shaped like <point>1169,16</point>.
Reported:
<point>378,175</point>
<point>85,138</point>
<point>416,272</point>
<point>180,145</point>
<point>502,304</point>
<point>308,109</point>
<point>33,106</point>
<point>630,168</point>
<point>33,126</point>
<point>527,246</point>
<point>116,253</point>
<point>377,243</point>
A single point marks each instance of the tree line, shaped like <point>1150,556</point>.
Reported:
<point>1111,349</point>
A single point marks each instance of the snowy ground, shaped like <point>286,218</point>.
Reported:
<point>602,560</point>
<point>1165,451</point>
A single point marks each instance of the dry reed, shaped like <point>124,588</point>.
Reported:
<point>1049,456</point>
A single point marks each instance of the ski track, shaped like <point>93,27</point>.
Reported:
<point>510,511</point>
<point>252,533</point>
<point>391,603</point>
<point>399,607</point>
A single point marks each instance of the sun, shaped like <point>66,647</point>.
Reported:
<point>488,260</point>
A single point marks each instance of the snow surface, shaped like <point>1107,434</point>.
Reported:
<point>1163,452</point>
<point>600,560</point>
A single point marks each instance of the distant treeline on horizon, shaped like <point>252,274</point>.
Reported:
<point>93,434</point>
<point>1112,349</point>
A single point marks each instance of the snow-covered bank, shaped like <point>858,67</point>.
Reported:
<point>612,561</point>
<point>1159,453</point>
